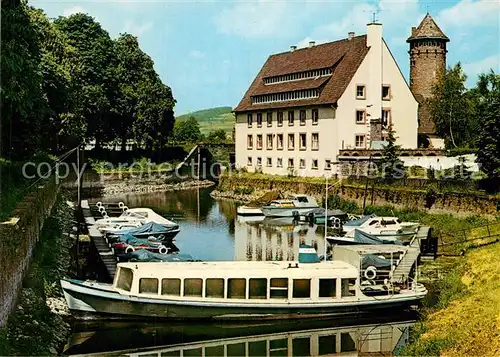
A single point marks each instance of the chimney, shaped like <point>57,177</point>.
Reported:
<point>312,43</point>
<point>374,86</point>
<point>350,35</point>
<point>293,48</point>
<point>413,31</point>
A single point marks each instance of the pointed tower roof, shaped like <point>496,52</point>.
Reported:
<point>427,29</point>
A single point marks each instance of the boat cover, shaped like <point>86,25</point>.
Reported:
<point>361,237</point>
<point>307,254</point>
<point>151,228</point>
<point>134,241</point>
<point>376,261</point>
<point>358,222</point>
<point>320,212</point>
<point>143,255</point>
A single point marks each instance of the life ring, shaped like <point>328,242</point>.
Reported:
<point>369,271</point>
<point>129,249</point>
<point>99,204</point>
<point>163,249</point>
<point>121,204</point>
<point>124,208</point>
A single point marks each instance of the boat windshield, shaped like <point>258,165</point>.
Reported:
<point>139,215</point>
<point>357,222</point>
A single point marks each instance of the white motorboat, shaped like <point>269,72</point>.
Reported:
<point>293,206</point>
<point>238,290</point>
<point>381,227</point>
<point>249,211</point>
<point>131,218</point>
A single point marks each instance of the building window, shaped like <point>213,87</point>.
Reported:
<point>290,163</point>
<point>315,116</point>
<point>259,161</point>
<point>269,141</point>
<point>280,118</point>
<point>279,162</point>
<point>360,141</point>
<point>315,141</point>
<point>302,164</point>
<point>360,117</point>
<point>259,120</point>
<point>249,161</point>
<point>328,164</point>
<point>286,96</point>
<point>269,119</point>
<point>290,118</point>
<point>386,118</point>
<point>386,92</point>
<point>360,92</point>
<point>291,141</point>
<point>315,164</point>
<point>269,162</point>
<point>302,141</point>
<point>250,141</point>
<point>259,142</point>
<point>298,76</point>
<point>249,120</point>
<point>279,141</point>
<point>302,116</point>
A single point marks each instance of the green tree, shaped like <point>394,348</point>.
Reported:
<point>392,166</point>
<point>487,92</point>
<point>216,136</point>
<point>452,109</point>
<point>187,131</point>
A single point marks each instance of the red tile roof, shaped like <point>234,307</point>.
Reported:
<point>343,56</point>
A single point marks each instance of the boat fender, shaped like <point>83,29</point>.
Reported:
<point>101,209</point>
<point>129,249</point>
<point>163,249</point>
<point>124,208</point>
<point>105,215</point>
<point>99,204</point>
<point>370,272</point>
<point>121,204</point>
<point>336,223</point>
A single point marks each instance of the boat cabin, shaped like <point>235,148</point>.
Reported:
<point>279,282</point>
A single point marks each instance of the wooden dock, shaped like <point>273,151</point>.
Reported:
<point>105,252</point>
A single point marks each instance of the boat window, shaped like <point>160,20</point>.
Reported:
<point>192,287</point>
<point>327,344</point>
<point>301,288</point>
<point>301,346</point>
<point>236,288</point>
<point>171,287</point>
<point>258,289</point>
<point>302,199</point>
<point>278,347</point>
<point>389,222</point>
<point>148,285</point>
<point>373,222</point>
<point>236,349</point>
<point>347,344</point>
<point>214,288</point>
<point>348,287</point>
<point>125,279</point>
<point>193,352</point>
<point>257,349</point>
<point>327,287</point>
<point>279,288</point>
<point>209,351</point>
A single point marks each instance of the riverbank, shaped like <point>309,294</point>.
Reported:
<point>37,326</point>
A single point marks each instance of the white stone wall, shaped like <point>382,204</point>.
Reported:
<point>440,162</point>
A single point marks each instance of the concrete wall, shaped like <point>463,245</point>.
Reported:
<point>18,237</point>
<point>440,162</point>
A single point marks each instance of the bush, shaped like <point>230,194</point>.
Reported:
<point>244,190</point>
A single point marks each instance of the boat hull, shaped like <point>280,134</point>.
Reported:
<point>285,211</point>
<point>248,211</point>
<point>84,301</point>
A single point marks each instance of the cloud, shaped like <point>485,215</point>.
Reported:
<point>253,19</point>
<point>74,10</point>
<point>305,42</point>
<point>467,13</point>
<point>138,29</point>
<point>473,69</point>
<point>197,54</point>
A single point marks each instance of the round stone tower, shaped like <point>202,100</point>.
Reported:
<point>427,64</point>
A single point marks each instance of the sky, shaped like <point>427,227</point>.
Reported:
<point>209,51</point>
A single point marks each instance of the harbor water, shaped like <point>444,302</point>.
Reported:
<point>210,231</point>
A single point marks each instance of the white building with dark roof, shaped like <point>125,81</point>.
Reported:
<point>307,104</point>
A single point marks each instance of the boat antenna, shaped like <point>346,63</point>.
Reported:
<point>326,212</point>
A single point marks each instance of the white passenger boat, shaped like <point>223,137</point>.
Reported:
<point>130,218</point>
<point>235,290</point>
<point>293,206</point>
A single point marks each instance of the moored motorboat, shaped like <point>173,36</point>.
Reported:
<point>293,206</point>
<point>235,290</point>
<point>249,211</point>
<point>360,237</point>
<point>131,217</point>
<point>381,227</point>
<point>150,229</point>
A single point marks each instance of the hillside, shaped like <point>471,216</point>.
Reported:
<point>212,119</point>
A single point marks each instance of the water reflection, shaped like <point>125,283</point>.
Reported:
<point>283,338</point>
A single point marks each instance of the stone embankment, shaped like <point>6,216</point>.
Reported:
<point>114,188</point>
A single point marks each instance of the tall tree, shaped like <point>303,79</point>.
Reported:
<point>392,166</point>
<point>452,108</point>
<point>187,131</point>
<point>487,92</point>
